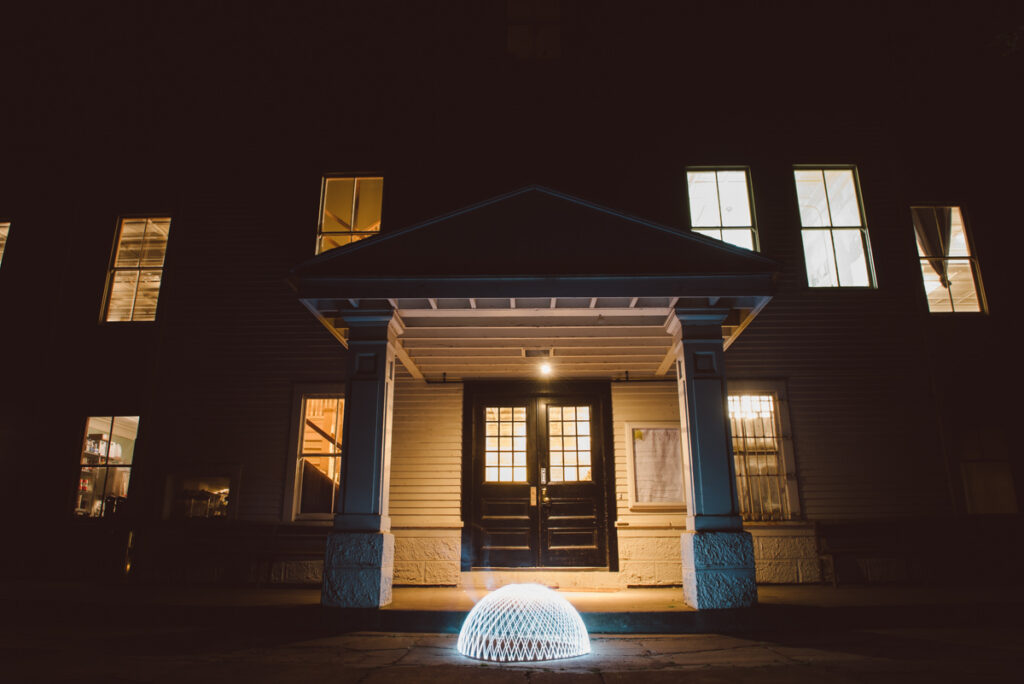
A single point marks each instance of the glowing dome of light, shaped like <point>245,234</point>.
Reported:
<point>523,622</point>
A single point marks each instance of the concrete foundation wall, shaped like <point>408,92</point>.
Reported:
<point>427,557</point>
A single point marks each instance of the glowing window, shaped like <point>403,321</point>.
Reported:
<point>5,230</point>
<point>836,250</point>
<point>108,451</point>
<point>350,211</point>
<point>505,444</point>
<point>133,285</point>
<point>320,453</point>
<point>720,205</point>
<point>569,443</point>
<point>760,467</point>
<point>952,280</point>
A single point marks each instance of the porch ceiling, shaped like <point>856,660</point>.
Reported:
<point>458,339</point>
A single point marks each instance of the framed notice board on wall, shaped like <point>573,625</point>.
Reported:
<point>655,466</point>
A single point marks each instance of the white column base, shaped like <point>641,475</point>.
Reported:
<point>718,569</point>
<point>358,569</point>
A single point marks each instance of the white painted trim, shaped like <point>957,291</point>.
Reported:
<point>407,361</point>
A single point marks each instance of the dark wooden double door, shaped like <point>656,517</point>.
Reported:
<point>537,478</point>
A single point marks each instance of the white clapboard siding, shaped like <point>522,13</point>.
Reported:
<point>426,455</point>
<point>636,402</point>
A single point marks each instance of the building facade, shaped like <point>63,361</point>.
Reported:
<point>226,332</point>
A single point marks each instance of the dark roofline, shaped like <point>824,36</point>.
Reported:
<point>385,236</point>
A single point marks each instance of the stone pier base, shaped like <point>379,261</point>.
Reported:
<point>358,569</point>
<point>718,570</point>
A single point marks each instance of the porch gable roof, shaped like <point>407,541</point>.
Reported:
<point>529,235</point>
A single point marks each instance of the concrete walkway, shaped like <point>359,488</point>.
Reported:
<point>86,633</point>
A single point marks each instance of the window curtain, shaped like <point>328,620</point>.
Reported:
<point>934,227</point>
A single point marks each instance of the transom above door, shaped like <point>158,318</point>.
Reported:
<point>535,478</point>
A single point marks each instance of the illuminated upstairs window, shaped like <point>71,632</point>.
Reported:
<point>5,229</point>
<point>350,211</point>
<point>720,205</point>
<point>133,285</point>
<point>952,281</point>
<point>836,249</point>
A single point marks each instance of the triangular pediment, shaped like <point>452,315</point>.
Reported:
<point>534,232</point>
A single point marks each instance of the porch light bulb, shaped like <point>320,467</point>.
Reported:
<point>545,368</point>
<point>523,622</point>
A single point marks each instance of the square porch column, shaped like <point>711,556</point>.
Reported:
<point>717,554</point>
<point>359,562</point>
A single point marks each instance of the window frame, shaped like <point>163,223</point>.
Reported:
<point>755,233</point>
<point>292,499</point>
<point>112,268</point>
<point>863,227</point>
<point>83,438</point>
<point>647,506</point>
<point>973,259</point>
<point>323,206</point>
<point>787,454</point>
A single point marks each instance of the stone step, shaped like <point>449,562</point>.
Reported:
<point>587,579</point>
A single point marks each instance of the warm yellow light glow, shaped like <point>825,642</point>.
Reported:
<point>545,369</point>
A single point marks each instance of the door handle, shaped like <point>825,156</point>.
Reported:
<point>544,498</point>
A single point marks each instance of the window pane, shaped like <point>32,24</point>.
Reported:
<point>369,192</point>
<point>154,246</point>
<point>741,238</point>
<point>852,264</point>
<point>129,245</point>
<point>935,291</point>
<point>97,441</point>
<point>842,197</point>
<point>122,295</point>
<point>122,444</point>
<point>810,193</point>
<point>961,287</point>
<point>91,483</point>
<point>957,238</point>
<point>147,294</point>
<point>320,477</point>
<point>338,204</point>
<point>321,425</point>
<point>821,267</point>
<point>711,233</point>
<point>733,197</point>
<point>703,199</point>
<point>115,492</point>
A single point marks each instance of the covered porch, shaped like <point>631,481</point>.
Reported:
<point>442,331</point>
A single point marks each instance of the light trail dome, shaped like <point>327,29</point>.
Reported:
<point>523,622</point>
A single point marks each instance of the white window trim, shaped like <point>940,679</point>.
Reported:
<point>639,506</point>
<point>778,388</point>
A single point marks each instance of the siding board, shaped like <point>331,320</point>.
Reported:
<point>426,455</point>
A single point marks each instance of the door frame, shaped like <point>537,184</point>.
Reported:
<point>600,390</point>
